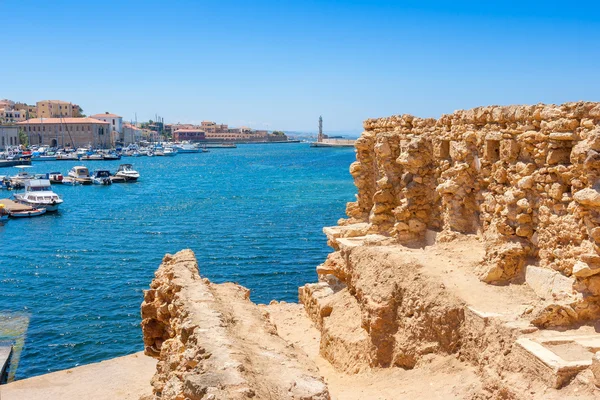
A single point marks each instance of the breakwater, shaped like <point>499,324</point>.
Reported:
<point>252,216</point>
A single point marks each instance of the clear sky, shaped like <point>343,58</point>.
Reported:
<point>280,64</point>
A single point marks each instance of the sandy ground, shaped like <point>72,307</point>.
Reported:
<point>125,378</point>
<point>437,378</point>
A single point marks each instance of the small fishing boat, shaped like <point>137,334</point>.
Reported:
<point>34,212</point>
<point>38,194</point>
<point>126,171</point>
<point>101,177</point>
<point>81,174</point>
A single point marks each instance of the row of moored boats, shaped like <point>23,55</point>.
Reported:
<point>38,196</point>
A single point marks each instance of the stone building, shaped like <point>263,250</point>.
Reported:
<point>9,136</point>
<point>192,135</point>
<point>131,134</point>
<point>63,132</point>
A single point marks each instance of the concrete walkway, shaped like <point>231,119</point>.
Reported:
<point>123,378</point>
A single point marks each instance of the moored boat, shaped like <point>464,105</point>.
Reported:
<point>55,177</point>
<point>101,177</point>
<point>127,172</point>
<point>34,212</point>
<point>169,152</point>
<point>80,174</point>
<point>38,194</point>
<point>69,181</point>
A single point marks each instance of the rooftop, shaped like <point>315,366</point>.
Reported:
<point>87,120</point>
<point>106,115</point>
<point>54,101</point>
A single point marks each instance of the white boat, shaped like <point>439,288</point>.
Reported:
<point>67,156</point>
<point>169,152</point>
<point>91,157</point>
<point>187,148</point>
<point>38,194</point>
<point>126,171</point>
<point>70,181</point>
<point>80,174</point>
<point>101,177</point>
<point>34,212</point>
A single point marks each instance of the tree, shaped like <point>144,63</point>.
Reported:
<point>278,133</point>
<point>23,139</point>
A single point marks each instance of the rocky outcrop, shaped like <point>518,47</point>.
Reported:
<point>213,343</point>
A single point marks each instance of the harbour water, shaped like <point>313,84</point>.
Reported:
<point>252,215</point>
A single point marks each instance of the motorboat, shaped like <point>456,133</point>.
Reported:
<point>80,174</point>
<point>187,148</point>
<point>101,177</point>
<point>111,156</point>
<point>38,194</point>
<point>117,179</point>
<point>126,171</point>
<point>55,177</point>
<point>92,157</point>
<point>34,212</point>
<point>18,181</point>
<point>169,152</point>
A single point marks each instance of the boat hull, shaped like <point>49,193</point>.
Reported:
<point>28,214</point>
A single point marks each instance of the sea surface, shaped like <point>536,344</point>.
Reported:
<point>71,283</point>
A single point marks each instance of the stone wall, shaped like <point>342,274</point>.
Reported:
<point>526,179</point>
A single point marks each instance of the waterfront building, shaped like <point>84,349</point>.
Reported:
<point>64,132</point>
<point>115,121</point>
<point>193,135</point>
<point>54,109</point>
<point>222,132</point>
<point>9,136</point>
<point>130,134</point>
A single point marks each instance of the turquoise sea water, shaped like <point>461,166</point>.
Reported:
<point>252,215</point>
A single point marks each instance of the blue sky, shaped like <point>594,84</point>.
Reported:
<point>281,64</point>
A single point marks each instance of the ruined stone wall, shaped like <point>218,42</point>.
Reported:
<point>524,178</point>
<point>212,342</point>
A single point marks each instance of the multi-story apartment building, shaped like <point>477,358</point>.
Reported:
<point>10,115</point>
<point>27,110</point>
<point>54,109</point>
<point>63,132</point>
